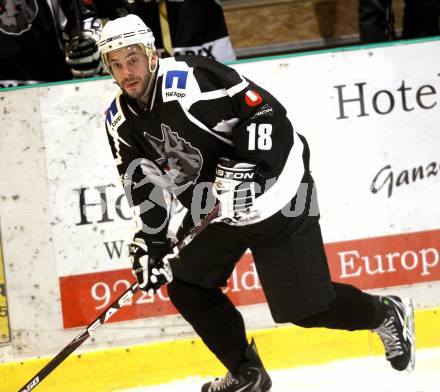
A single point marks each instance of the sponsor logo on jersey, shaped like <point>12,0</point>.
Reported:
<point>175,82</point>
<point>176,79</point>
<point>176,94</point>
<point>180,161</point>
<point>265,111</point>
<point>116,120</point>
<point>252,98</point>
<point>114,117</point>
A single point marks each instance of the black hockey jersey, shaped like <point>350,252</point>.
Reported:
<point>201,110</point>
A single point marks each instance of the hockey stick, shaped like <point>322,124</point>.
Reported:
<point>113,308</point>
<point>77,17</point>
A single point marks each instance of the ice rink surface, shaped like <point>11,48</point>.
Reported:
<point>372,374</point>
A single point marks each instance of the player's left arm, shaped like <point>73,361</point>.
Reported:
<point>254,125</point>
<point>263,134</point>
<point>262,140</point>
<point>240,113</point>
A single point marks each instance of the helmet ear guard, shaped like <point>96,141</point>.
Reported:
<point>126,31</point>
<point>152,67</point>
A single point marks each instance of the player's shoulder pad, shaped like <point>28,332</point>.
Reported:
<point>114,116</point>
<point>189,79</point>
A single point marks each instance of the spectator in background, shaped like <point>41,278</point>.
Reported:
<point>180,26</point>
<point>33,36</point>
<point>60,35</point>
<point>376,20</point>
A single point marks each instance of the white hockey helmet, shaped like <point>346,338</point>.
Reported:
<point>125,31</point>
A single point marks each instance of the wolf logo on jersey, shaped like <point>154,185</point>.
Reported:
<point>180,160</point>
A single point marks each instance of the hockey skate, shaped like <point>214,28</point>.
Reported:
<point>251,376</point>
<point>397,332</point>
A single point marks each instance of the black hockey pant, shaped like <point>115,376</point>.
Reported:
<point>290,259</point>
<point>216,320</point>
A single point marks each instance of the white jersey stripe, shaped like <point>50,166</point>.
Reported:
<point>205,128</point>
<point>213,95</point>
<point>286,185</point>
<point>238,87</point>
<point>224,93</point>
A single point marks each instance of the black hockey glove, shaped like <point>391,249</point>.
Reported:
<point>82,53</point>
<point>234,188</point>
<point>150,269</point>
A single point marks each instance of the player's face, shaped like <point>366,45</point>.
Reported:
<point>129,67</point>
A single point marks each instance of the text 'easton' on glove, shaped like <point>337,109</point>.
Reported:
<point>234,188</point>
<point>150,269</point>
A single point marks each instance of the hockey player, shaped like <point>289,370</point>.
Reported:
<point>177,126</point>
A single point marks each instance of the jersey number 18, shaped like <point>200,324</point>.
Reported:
<point>260,136</point>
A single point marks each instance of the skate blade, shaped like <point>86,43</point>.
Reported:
<point>409,321</point>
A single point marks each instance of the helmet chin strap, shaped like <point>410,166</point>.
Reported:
<point>146,97</point>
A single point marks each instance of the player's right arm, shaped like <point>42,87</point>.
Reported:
<point>149,204</point>
<point>148,201</point>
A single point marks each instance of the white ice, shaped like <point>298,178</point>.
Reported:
<point>372,374</point>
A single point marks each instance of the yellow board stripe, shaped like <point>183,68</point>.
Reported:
<point>282,347</point>
<point>4,318</point>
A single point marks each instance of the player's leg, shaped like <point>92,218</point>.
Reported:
<point>292,266</point>
<point>397,332</point>
<point>390,317</point>
<point>216,320</point>
<point>204,267</point>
